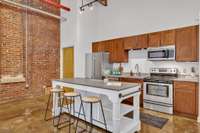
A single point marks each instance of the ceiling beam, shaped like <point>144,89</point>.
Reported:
<point>103,2</point>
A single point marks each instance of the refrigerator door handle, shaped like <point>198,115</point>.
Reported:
<point>94,70</point>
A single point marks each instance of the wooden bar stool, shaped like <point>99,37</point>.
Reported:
<point>58,91</point>
<point>70,96</point>
<point>92,100</point>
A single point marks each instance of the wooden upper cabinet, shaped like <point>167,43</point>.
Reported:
<point>130,42</point>
<point>94,47</point>
<point>186,98</point>
<point>118,54</point>
<point>115,48</point>
<point>168,37</point>
<point>142,41</point>
<point>107,46</point>
<point>187,44</point>
<point>154,39</point>
<point>185,39</point>
<point>110,47</point>
<point>98,47</point>
<point>136,42</point>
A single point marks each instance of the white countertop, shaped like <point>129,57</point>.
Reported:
<point>98,83</point>
<point>127,75</point>
<point>186,78</point>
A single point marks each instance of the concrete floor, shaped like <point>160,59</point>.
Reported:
<point>26,116</point>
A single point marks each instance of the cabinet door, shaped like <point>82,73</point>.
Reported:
<point>110,47</point>
<point>97,47</point>
<point>107,46</point>
<point>142,41</point>
<point>94,47</point>
<point>168,37</point>
<point>130,42</point>
<point>187,44</point>
<point>185,98</point>
<point>154,39</point>
<point>118,53</point>
<point>136,42</point>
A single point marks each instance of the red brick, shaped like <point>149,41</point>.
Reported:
<point>43,50</point>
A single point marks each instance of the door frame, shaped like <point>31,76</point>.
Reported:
<point>61,59</point>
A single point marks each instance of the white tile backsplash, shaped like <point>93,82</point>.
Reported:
<point>140,57</point>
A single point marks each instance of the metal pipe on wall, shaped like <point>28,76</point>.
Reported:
<point>10,2</point>
<point>198,118</point>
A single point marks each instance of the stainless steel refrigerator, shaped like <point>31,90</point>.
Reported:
<point>97,64</point>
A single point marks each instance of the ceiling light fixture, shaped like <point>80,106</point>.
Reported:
<point>90,5</point>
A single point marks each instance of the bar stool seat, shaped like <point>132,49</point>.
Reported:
<point>91,99</point>
<point>57,90</point>
<point>71,94</point>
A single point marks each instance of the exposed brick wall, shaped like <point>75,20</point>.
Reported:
<point>42,50</point>
<point>11,36</point>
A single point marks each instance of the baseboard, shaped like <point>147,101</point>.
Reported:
<point>186,115</point>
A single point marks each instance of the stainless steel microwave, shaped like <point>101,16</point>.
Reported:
<point>161,53</point>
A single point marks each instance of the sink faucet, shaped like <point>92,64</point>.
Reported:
<point>137,69</point>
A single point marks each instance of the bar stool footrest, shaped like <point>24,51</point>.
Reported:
<point>69,124</point>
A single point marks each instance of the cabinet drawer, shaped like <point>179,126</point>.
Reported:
<point>180,84</point>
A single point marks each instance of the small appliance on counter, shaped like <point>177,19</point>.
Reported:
<point>158,89</point>
<point>97,64</point>
<point>115,72</point>
<point>161,53</point>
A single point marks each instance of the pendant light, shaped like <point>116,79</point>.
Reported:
<point>90,5</point>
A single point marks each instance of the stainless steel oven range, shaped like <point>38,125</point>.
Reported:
<point>158,90</point>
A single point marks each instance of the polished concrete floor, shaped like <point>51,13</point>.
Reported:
<point>26,116</point>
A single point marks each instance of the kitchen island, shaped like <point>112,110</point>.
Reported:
<point>112,96</point>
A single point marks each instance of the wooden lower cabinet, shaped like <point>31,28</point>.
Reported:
<point>186,99</point>
<point>132,80</point>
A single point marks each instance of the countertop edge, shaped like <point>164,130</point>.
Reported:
<point>125,88</point>
<point>179,78</point>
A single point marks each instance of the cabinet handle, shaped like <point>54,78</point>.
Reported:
<point>184,90</point>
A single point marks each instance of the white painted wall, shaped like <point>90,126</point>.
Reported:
<point>78,31</point>
<point>86,32</point>
<point>69,28</point>
<point>68,35</point>
<point>129,17</point>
